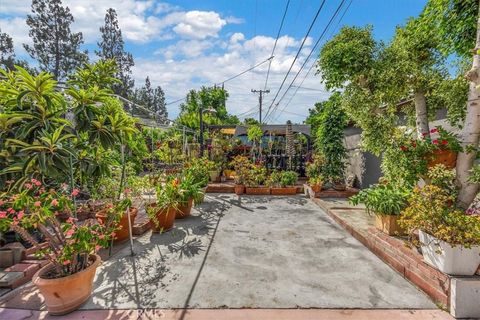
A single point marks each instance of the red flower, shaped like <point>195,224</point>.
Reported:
<point>20,214</point>
<point>75,192</point>
<point>444,142</point>
<point>69,232</point>
<point>434,130</point>
<point>414,143</point>
<point>66,262</point>
<point>3,214</point>
<point>435,141</point>
<point>403,148</point>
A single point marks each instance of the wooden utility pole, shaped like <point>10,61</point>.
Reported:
<point>260,98</point>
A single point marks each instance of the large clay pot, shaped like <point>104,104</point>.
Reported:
<point>184,209</point>
<point>165,218</point>
<point>239,189</point>
<point>283,191</point>
<point>446,157</point>
<point>121,233</point>
<point>388,224</point>
<point>66,294</point>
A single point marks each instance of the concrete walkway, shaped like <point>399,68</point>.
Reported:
<point>259,252</point>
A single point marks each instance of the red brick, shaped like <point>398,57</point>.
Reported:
<point>427,287</point>
<point>27,269</point>
<point>40,263</point>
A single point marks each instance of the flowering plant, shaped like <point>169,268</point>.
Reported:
<point>439,139</point>
<point>198,170</point>
<point>431,210</point>
<point>69,243</point>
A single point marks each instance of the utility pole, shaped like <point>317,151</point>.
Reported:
<point>260,98</point>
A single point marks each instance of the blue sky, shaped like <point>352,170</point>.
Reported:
<point>184,44</point>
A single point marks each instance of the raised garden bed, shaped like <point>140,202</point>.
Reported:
<point>330,193</point>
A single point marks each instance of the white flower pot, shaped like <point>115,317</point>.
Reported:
<point>458,260</point>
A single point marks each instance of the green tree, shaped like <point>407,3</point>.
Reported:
<point>55,47</point>
<point>7,54</point>
<point>330,122</point>
<point>458,23</point>
<point>250,121</point>
<point>206,98</point>
<point>112,47</point>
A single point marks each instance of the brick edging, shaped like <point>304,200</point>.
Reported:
<point>405,261</point>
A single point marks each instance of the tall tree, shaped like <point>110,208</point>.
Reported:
<point>159,103</point>
<point>112,47</point>
<point>55,47</point>
<point>7,54</point>
<point>458,23</point>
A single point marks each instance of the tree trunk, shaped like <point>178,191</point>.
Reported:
<point>471,130</point>
<point>421,113</point>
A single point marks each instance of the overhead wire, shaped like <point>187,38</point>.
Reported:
<point>307,58</point>
<point>296,56</point>
<point>276,40</point>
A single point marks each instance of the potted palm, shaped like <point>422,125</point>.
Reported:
<point>162,212</point>
<point>191,192</point>
<point>387,203</point>
<point>66,282</point>
<point>449,238</point>
<point>283,183</point>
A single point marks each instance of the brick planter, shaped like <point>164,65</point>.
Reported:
<point>257,191</point>
<point>283,191</point>
<point>331,193</point>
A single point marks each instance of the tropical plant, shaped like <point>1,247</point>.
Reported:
<point>432,210</point>
<point>191,189</point>
<point>254,133</point>
<point>382,199</point>
<point>169,195</point>
<point>257,176</point>
<point>241,165</point>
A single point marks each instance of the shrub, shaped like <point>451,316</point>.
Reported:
<point>431,209</point>
<point>382,199</point>
<point>288,178</point>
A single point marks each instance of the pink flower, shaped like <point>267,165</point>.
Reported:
<point>101,237</point>
<point>36,182</point>
<point>66,262</point>
<point>71,220</point>
<point>113,234</point>
<point>97,248</point>
<point>3,214</point>
<point>37,204</point>
<point>69,232</point>
<point>54,202</point>
<point>64,186</point>
<point>127,190</point>
<point>10,210</point>
<point>435,141</point>
<point>20,214</point>
<point>75,192</point>
<point>2,202</point>
<point>28,186</point>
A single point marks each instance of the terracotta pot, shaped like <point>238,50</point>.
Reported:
<point>165,218</point>
<point>283,191</point>
<point>66,294</point>
<point>388,224</point>
<point>239,189</point>
<point>316,187</point>
<point>184,210</point>
<point>258,190</point>
<point>121,233</point>
<point>446,157</point>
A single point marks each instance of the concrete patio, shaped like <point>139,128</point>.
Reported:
<point>256,252</point>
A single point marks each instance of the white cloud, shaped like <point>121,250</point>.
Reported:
<point>200,25</point>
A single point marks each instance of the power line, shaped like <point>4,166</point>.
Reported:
<point>231,78</point>
<point>276,40</point>
<point>296,56</point>
<point>310,54</point>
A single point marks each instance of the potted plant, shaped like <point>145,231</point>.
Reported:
<point>387,203</point>
<point>66,282</point>
<point>316,183</point>
<point>449,238</point>
<point>162,213</point>
<point>284,183</point>
<point>257,175</point>
<point>241,165</point>
<point>338,183</point>
<point>191,191</point>
<point>115,214</point>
